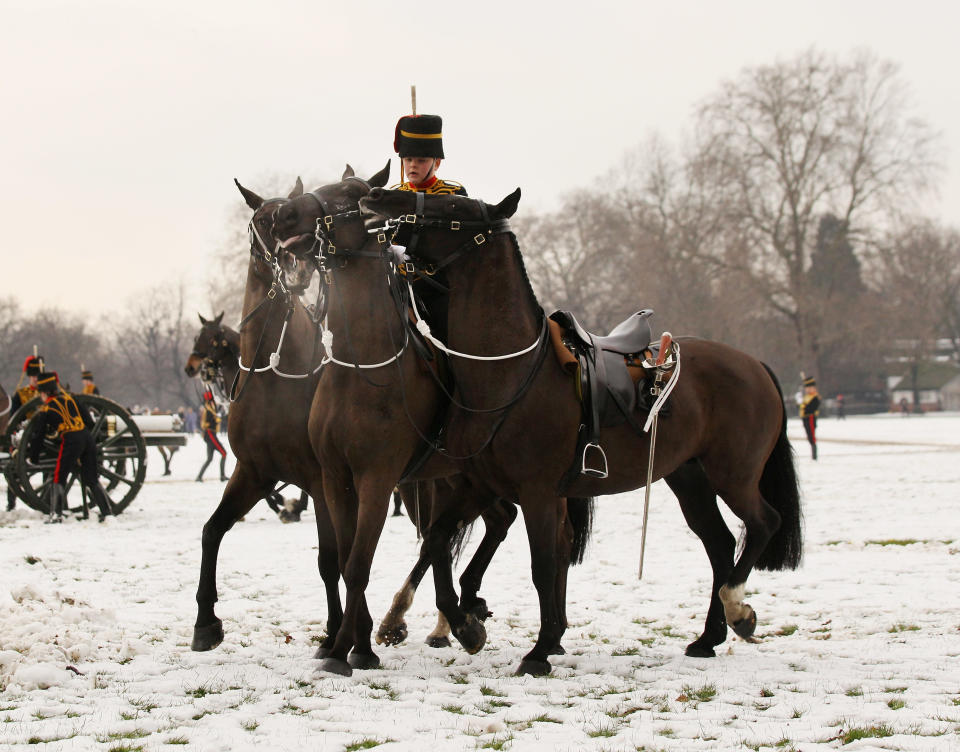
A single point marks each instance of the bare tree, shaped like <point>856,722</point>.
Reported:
<point>790,142</point>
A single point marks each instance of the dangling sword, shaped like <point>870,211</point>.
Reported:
<point>665,341</point>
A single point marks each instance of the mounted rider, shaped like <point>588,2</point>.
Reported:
<point>418,140</point>
<point>63,420</point>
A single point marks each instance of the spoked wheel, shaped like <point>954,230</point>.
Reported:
<point>121,456</point>
<point>11,443</point>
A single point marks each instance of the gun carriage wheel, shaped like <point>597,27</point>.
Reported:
<point>121,456</point>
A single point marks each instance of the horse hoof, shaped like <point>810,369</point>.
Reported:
<point>479,609</point>
<point>322,652</point>
<point>747,625</point>
<point>472,634</point>
<point>208,637</point>
<point>438,642</point>
<point>336,666</point>
<point>363,661</point>
<point>557,649</point>
<point>698,649</point>
<point>391,635</point>
<point>530,667</point>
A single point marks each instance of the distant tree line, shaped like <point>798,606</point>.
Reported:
<point>788,224</point>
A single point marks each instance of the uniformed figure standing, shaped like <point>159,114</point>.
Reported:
<point>66,422</point>
<point>418,140</point>
<point>209,424</point>
<point>25,392</point>
<point>809,409</point>
<point>88,386</point>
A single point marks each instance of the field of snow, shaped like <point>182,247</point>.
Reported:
<point>858,649</point>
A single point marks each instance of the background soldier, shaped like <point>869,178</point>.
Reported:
<point>209,423</point>
<point>88,386</point>
<point>809,409</point>
<point>25,392</point>
<point>63,420</point>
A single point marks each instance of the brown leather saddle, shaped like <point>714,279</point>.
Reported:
<point>610,380</point>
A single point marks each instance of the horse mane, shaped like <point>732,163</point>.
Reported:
<point>523,270</point>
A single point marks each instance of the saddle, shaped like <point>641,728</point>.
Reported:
<point>611,379</point>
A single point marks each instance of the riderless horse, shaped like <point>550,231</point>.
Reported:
<point>725,434</point>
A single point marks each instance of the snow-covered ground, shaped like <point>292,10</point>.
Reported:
<point>862,641</point>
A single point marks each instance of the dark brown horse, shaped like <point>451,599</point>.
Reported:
<point>725,434</point>
<point>216,359</point>
<point>267,430</point>
<point>386,400</point>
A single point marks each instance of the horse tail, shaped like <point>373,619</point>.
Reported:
<point>580,514</point>
<point>781,489</point>
<point>459,541</point>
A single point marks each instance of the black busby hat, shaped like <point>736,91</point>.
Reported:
<point>47,382</point>
<point>33,365</point>
<point>809,381</point>
<point>88,375</point>
<point>419,136</point>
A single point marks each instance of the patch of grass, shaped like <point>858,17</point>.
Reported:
<point>178,740</point>
<point>490,691</point>
<point>894,542</point>
<point>784,742</point>
<point>605,730</point>
<point>625,651</point>
<point>385,687</point>
<point>797,713</point>
<point>765,692</point>
<point>40,715</point>
<point>125,716</point>
<point>115,735</point>
<point>896,703</point>
<point>368,743</point>
<point>955,700</point>
<point>786,630</point>
<point>459,679</point>
<point>250,725</point>
<point>667,631</point>
<point>623,711</point>
<point>498,742</point>
<point>200,715</point>
<point>901,627</point>
<point>545,718</point>
<point>854,692</point>
<point>702,694</point>
<point>897,690</point>
<point>865,732</point>
<point>455,709</point>
<point>198,692</point>
<point>289,707</point>
<point>126,748</point>
<point>834,543</point>
<point>30,559</point>
<point>145,705</point>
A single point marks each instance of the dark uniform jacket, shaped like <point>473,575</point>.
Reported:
<point>810,405</point>
<point>21,397</point>
<point>209,420</point>
<point>60,415</point>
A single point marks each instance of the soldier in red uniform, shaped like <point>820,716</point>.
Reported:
<point>63,420</point>
<point>418,139</point>
<point>209,425</point>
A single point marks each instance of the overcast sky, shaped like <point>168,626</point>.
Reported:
<point>123,123</point>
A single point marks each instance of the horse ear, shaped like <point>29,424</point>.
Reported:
<point>380,179</point>
<point>297,189</point>
<point>203,321</point>
<point>218,319</point>
<point>508,207</point>
<point>348,173</point>
<point>252,199</point>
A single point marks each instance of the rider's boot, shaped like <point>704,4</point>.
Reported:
<point>223,468</point>
<point>102,501</point>
<point>58,501</point>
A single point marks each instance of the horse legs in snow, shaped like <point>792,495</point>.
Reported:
<point>243,491</point>
<point>329,566</point>
<point>393,628</point>
<point>358,518</point>
<point>542,514</point>
<point>497,519</point>
<point>698,502</point>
